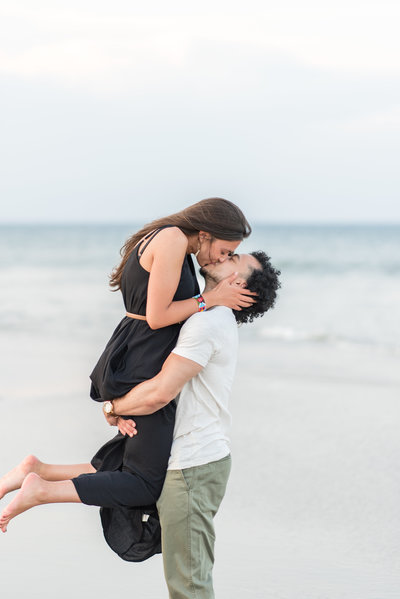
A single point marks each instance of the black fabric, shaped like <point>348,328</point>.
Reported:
<point>134,533</point>
<point>112,489</point>
<point>145,454</point>
<point>132,538</point>
<point>134,353</point>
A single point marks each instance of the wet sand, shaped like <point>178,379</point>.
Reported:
<point>312,509</point>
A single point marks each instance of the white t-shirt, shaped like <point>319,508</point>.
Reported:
<point>202,418</point>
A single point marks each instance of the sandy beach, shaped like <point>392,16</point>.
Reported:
<point>312,506</point>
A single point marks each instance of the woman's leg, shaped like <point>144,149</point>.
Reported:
<point>36,491</point>
<point>106,489</point>
<point>50,472</point>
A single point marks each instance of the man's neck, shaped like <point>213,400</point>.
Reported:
<point>209,286</point>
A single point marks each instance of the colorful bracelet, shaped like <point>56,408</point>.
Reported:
<point>202,304</point>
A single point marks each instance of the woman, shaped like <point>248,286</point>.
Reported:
<point>160,290</point>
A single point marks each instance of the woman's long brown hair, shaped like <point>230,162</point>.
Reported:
<point>219,217</point>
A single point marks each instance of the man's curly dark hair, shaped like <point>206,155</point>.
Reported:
<point>265,282</point>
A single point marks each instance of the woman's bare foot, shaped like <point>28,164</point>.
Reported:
<point>31,494</point>
<point>14,479</point>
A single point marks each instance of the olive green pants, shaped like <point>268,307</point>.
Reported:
<point>188,503</point>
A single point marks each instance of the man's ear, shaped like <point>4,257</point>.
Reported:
<point>240,283</point>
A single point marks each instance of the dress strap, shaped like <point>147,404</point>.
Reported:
<point>149,237</point>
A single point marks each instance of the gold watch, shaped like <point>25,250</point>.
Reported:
<point>108,408</point>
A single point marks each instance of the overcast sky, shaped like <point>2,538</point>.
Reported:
<point>126,110</point>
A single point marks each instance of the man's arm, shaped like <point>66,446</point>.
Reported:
<point>154,394</point>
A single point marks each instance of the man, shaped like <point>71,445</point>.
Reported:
<point>200,369</point>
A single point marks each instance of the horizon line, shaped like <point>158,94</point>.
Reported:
<point>273,223</point>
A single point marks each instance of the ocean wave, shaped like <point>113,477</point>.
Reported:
<point>291,335</point>
<point>330,267</point>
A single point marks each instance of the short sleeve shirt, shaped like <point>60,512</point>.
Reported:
<point>201,433</point>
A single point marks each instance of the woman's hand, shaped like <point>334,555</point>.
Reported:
<point>112,420</point>
<point>226,293</point>
<point>127,427</point>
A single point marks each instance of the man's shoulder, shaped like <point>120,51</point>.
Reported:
<point>217,316</point>
<point>221,314</point>
<point>207,333</point>
<point>218,325</point>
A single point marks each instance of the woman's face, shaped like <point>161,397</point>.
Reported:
<point>214,250</point>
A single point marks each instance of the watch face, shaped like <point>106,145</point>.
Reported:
<point>107,407</point>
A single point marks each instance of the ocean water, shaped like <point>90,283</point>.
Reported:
<point>340,284</point>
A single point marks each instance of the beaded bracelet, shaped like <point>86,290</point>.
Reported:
<point>202,304</point>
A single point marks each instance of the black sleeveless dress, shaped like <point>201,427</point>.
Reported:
<point>131,471</point>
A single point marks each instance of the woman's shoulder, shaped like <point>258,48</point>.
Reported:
<point>167,249</point>
<point>171,235</point>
